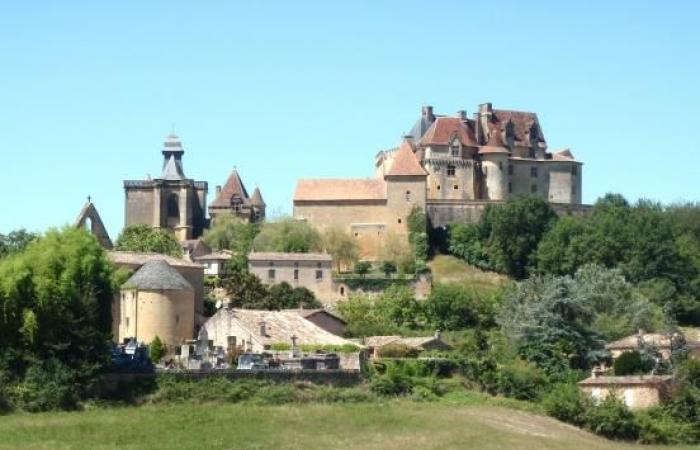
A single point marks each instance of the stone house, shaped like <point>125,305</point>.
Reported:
<point>324,319</point>
<point>374,344</point>
<point>662,342</point>
<point>258,330</point>
<point>157,301</point>
<point>637,392</point>
<point>214,263</point>
<point>312,271</point>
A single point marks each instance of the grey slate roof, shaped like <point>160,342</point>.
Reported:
<point>172,171</point>
<point>157,275</point>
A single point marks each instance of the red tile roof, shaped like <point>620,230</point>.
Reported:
<point>405,163</point>
<point>522,121</point>
<point>233,185</point>
<point>340,189</point>
<point>444,129</point>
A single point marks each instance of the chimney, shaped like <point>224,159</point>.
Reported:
<point>462,114</point>
<point>427,112</point>
<point>477,130</point>
<point>218,189</point>
<point>262,328</point>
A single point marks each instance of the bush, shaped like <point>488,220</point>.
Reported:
<point>612,419</point>
<point>521,380</point>
<point>398,351</point>
<point>658,427</point>
<point>48,386</point>
<point>630,363</point>
<point>391,384</point>
<point>567,403</point>
<point>156,350</point>
<point>362,268</point>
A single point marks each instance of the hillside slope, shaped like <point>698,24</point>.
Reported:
<point>448,269</point>
<point>367,426</point>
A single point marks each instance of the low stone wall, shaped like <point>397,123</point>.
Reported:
<point>113,383</point>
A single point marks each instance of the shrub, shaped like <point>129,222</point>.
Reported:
<point>567,403</point>
<point>388,268</point>
<point>630,363</point>
<point>398,351</point>
<point>48,386</point>
<point>391,384</point>
<point>362,268</point>
<point>656,426</point>
<point>156,350</point>
<point>276,394</point>
<point>521,380</point>
<point>612,419</point>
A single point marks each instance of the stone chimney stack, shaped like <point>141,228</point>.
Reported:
<point>462,114</point>
<point>427,112</point>
<point>218,189</point>
<point>485,117</point>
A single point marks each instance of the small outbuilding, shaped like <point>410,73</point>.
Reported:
<point>157,301</point>
<point>662,342</point>
<point>636,391</point>
<point>374,344</point>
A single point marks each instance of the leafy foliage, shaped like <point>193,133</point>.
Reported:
<point>231,233</point>
<point>417,224</point>
<point>453,307</point>
<point>156,350</point>
<point>363,268</point>
<point>612,419</point>
<point>247,291</point>
<point>142,238</point>
<point>15,241</point>
<point>630,363</point>
<point>288,235</point>
<point>341,246</point>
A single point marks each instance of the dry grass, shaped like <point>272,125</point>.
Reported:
<point>448,269</point>
<point>367,426</point>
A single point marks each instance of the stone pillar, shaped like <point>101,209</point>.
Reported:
<point>157,207</point>
<point>184,229</point>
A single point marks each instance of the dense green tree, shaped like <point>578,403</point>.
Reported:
<point>288,235</point>
<point>362,268</point>
<point>341,246</point>
<point>417,224</point>
<point>452,306</point>
<point>393,312</point>
<point>388,268</point>
<point>142,238</point>
<point>284,296</point>
<point>244,289</point>
<point>231,233</point>
<point>156,350</point>
<point>15,241</point>
<point>55,303</point>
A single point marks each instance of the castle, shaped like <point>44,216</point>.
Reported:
<point>451,167</point>
<point>179,204</point>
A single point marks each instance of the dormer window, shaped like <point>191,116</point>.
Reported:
<point>455,147</point>
<point>236,202</point>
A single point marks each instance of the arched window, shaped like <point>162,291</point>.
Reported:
<point>173,206</point>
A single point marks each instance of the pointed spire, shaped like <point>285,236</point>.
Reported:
<point>256,199</point>
<point>172,170</point>
<point>234,186</point>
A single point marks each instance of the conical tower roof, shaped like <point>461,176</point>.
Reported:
<point>256,199</point>
<point>234,186</point>
<point>157,275</point>
<point>172,170</point>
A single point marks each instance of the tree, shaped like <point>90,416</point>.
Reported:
<point>143,238</point>
<point>284,296</point>
<point>388,267</point>
<point>231,233</point>
<point>15,241</point>
<point>362,268</point>
<point>288,235</point>
<point>398,306</point>
<point>245,290</point>
<point>451,306</point>
<point>516,229</point>
<point>417,224</point>
<point>341,246</point>
<point>156,350</point>
<point>55,298</point>
<point>395,248</point>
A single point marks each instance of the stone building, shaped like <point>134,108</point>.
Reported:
<point>133,261</point>
<point>312,271</point>
<point>157,301</point>
<point>662,342</point>
<point>171,201</point>
<point>233,199</point>
<point>368,209</point>
<point>636,391</point>
<point>253,330</point>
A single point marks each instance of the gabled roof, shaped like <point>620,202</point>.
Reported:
<point>280,326</point>
<point>631,380</point>
<point>157,275</point>
<point>563,155</point>
<point>172,170</point>
<point>340,189</point>
<point>445,129</point>
<point>132,259</point>
<point>221,255</point>
<point>256,199</point>
<point>306,313</point>
<point>234,186</point>
<point>656,339</point>
<point>405,163</point>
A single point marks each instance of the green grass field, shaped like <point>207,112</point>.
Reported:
<point>448,269</point>
<point>382,426</point>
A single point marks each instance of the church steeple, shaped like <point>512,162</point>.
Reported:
<point>172,148</point>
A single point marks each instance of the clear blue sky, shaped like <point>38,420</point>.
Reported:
<point>285,90</point>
